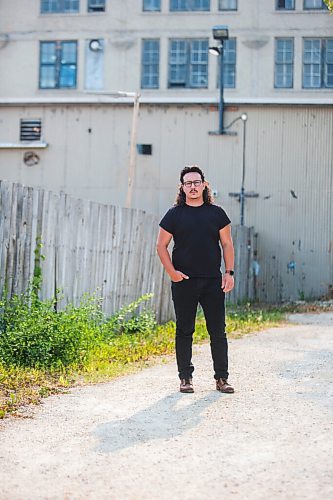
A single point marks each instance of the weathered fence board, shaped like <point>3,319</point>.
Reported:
<point>92,248</point>
<point>243,238</point>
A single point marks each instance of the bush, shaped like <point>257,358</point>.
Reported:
<point>127,321</point>
<point>34,334</point>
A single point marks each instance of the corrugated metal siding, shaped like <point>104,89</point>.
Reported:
<point>288,148</point>
<point>294,154</point>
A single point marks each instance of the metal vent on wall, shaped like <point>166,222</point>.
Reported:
<point>30,130</point>
<point>144,149</point>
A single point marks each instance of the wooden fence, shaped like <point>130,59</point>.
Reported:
<point>90,247</point>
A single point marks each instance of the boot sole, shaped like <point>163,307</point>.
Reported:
<point>225,392</point>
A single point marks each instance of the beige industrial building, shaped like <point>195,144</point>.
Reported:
<point>63,126</point>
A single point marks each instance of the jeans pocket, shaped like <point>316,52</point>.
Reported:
<point>178,282</point>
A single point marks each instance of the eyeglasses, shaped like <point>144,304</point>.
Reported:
<point>188,184</point>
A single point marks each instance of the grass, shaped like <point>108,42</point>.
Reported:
<point>115,355</point>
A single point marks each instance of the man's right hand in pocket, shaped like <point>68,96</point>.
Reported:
<point>178,276</point>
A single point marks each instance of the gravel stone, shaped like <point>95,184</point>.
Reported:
<point>137,437</point>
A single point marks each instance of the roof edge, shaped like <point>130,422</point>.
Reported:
<point>105,99</point>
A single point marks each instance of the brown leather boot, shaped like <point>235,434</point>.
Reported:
<point>186,385</point>
<point>223,386</point>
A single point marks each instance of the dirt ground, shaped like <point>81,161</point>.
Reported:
<point>139,438</point>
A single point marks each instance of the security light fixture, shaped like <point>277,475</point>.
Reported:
<point>95,45</point>
<point>215,51</point>
<point>220,32</point>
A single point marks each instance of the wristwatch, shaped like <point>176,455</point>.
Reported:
<point>231,272</point>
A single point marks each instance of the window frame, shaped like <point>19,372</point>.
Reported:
<point>58,65</point>
<point>189,6</point>
<point>277,7</point>
<point>322,7</point>
<point>191,59</point>
<point>228,9</point>
<point>145,9</point>
<point>227,63</point>
<point>284,64</point>
<point>322,63</point>
<point>61,9</point>
<point>150,63</point>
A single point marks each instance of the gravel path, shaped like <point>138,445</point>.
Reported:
<point>139,438</point>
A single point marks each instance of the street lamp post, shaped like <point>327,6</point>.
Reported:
<point>220,33</point>
<point>242,194</point>
<point>221,100</point>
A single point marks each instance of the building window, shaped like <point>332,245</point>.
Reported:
<point>188,63</point>
<point>318,63</point>
<point>96,5</point>
<point>152,5</point>
<point>285,4</point>
<point>185,5</point>
<point>227,4</point>
<point>284,63</point>
<point>150,64</point>
<point>30,130</point>
<point>58,65</point>
<point>314,4</point>
<point>229,64</point>
<point>59,6</point>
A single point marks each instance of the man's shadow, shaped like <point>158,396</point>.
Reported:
<point>166,419</point>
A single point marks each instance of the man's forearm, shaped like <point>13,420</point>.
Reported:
<point>228,256</point>
<point>164,256</point>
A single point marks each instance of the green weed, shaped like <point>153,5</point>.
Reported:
<point>43,351</point>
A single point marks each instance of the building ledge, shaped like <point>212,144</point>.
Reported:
<point>104,98</point>
<point>23,145</point>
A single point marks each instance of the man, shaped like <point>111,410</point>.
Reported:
<point>199,229</point>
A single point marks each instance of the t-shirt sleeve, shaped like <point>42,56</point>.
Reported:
<point>167,222</point>
<point>223,219</point>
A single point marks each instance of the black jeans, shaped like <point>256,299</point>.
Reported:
<point>186,296</point>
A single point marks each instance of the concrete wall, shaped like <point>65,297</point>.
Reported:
<point>124,25</point>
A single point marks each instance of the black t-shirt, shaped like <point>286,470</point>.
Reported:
<point>195,231</point>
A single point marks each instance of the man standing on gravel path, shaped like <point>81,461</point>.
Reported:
<point>198,228</point>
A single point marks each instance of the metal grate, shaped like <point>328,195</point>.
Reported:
<point>30,130</point>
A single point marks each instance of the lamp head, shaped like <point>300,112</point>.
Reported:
<point>214,50</point>
<point>220,32</point>
<point>244,117</point>
<point>95,45</point>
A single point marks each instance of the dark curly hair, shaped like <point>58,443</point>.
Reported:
<point>207,193</point>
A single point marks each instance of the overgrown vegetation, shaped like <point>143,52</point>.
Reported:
<point>34,334</point>
<point>43,351</point>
